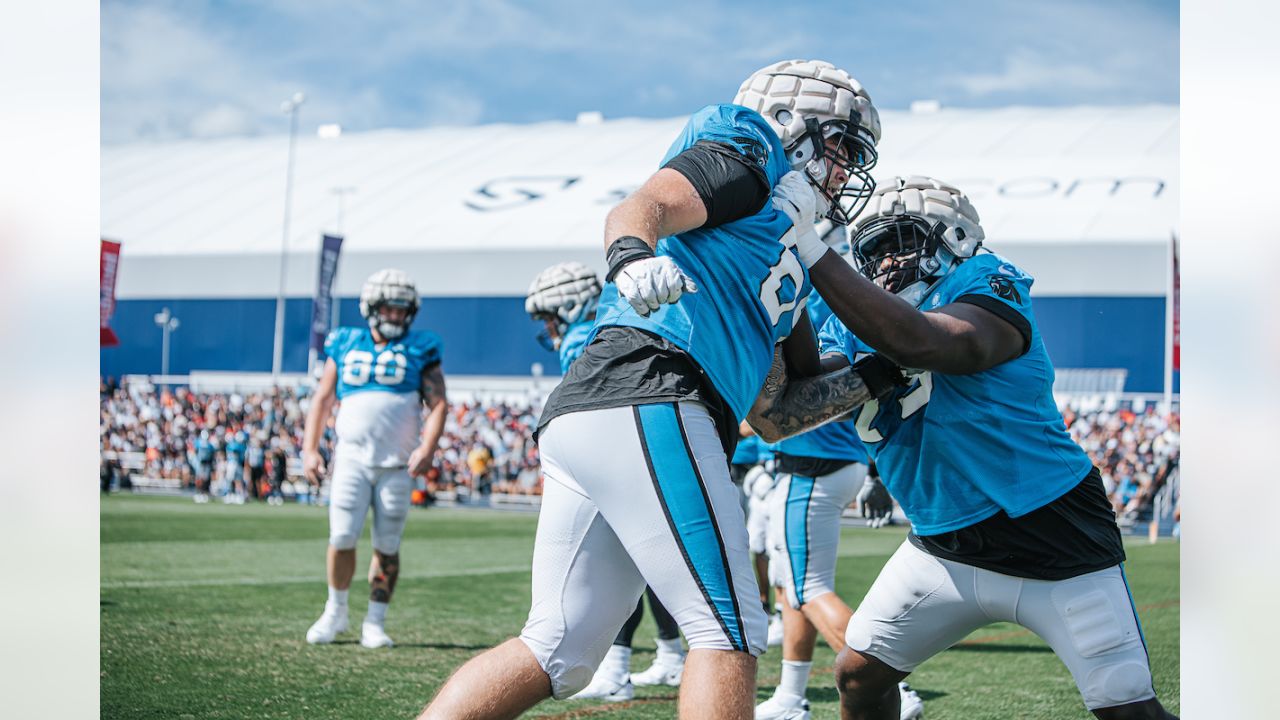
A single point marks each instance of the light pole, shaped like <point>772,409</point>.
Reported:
<point>168,323</point>
<point>290,106</point>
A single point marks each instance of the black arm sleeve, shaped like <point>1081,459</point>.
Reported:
<point>731,185</point>
<point>1005,313</point>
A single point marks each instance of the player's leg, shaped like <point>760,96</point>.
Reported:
<point>390,512</point>
<point>668,665</point>
<point>584,585</point>
<point>1091,623</point>
<point>811,535</point>
<point>351,495</point>
<point>758,542</point>
<point>612,680</point>
<point>917,607</point>
<point>664,487</point>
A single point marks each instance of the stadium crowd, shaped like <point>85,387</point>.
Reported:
<point>1133,444</point>
<point>247,445</point>
<point>219,442</point>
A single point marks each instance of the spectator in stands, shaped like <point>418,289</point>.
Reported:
<point>255,466</point>
<point>180,431</point>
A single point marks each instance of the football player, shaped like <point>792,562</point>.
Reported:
<point>635,440</point>
<point>820,472</point>
<point>384,375</point>
<point>1009,518</point>
<point>565,297</point>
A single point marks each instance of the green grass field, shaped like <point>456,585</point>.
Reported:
<point>204,609</point>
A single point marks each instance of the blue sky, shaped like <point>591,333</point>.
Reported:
<point>198,68</point>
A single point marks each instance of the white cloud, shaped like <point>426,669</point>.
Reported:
<point>220,121</point>
<point>1025,69</point>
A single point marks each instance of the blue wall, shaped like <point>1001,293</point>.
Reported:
<point>482,336</point>
<point>494,336</point>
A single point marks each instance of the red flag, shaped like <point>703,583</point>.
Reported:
<point>110,260</point>
<point>1177,325</point>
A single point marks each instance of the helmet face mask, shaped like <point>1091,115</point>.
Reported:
<point>897,253</point>
<point>828,128</point>
<point>389,289</point>
<point>916,231</point>
<point>552,332</point>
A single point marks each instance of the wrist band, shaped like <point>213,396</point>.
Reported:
<point>625,249</point>
<point>880,375</point>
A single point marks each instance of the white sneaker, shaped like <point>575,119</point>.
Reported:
<point>912,705</point>
<point>775,709</point>
<point>663,671</point>
<point>329,626</point>
<point>607,688</point>
<point>372,635</point>
<point>775,629</point>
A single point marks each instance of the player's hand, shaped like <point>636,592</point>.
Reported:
<point>312,465</point>
<point>419,462</point>
<point>875,502</point>
<point>797,198</point>
<point>650,283</point>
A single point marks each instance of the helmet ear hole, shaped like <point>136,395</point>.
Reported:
<point>783,116</point>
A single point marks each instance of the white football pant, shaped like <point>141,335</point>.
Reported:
<point>353,490</point>
<point>921,605</point>
<point>804,518</point>
<point>633,496</point>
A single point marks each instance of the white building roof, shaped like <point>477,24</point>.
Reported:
<point>1084,198</point>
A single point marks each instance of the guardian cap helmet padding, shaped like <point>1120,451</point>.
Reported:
<point>825,119</point>
<point>564,293</point>
<point>392,288</point>
<point>914,231</point>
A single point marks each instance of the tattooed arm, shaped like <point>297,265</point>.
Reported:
<point>788,406</point>
<point>433,397</point>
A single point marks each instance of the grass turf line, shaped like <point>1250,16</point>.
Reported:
<point>204,609</point>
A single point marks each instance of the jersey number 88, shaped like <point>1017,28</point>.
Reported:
<point>388,369</point>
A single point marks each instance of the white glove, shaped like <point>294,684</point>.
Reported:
<point>652,282</point>
<point>798,199</point>
<point>876,504</point>
<point>758,482</point>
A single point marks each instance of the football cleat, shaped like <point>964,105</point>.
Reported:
<point>912,706</point>
<point>663,671</point>
<point>775,630</point>
<point>329,626</point>
<point>372,635</point>
<point>775,709</point>
<point>608,689</point>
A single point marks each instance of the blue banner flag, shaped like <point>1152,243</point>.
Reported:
<point>321,306</point>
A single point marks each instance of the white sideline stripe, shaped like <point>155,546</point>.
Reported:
<point>118,584</point>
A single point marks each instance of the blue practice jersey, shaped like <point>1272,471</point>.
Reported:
<point>574,342</point>
<point>748,451</point>
<point>836,440</point>
<point>957,449</point>
<point>396,368</point>
<point>749,283</point>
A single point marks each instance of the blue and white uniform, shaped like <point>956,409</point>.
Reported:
<point>1001,503</point>
<point>379,425</point>
<point>574,342</point>
<point>750,286</point>
<point>819,473</point>
<point>956,449</point>
<point>637,487</point>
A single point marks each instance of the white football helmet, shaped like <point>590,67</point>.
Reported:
<point>914,231</point>
<point>392,288</point>
<point>563,294</point>
<point>825,119</point>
